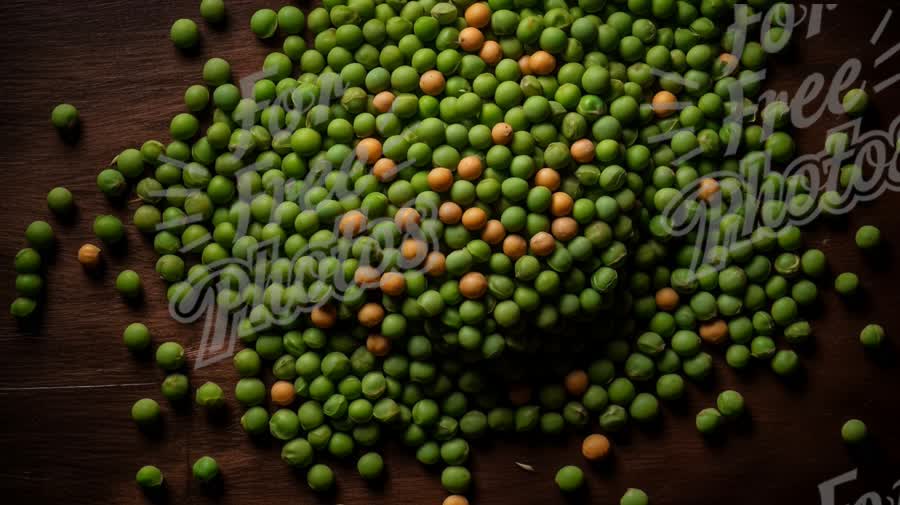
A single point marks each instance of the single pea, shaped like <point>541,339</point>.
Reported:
<point>184,33</point>
<point>708,421</point>
<point>136,337</point>
<point>22,307</point>
<point>456,479</point>
<point>785,363</point>
<point>634,497</point>
<point>112,183</point>
<point>370,466</point>
<point>846,284</point>
<point>868,237</point>
<point>738,356</point>
<point>297,453</point>
<point>109,229</point>
<point>854,431</point>
<point>39,234</point>
<point>205,469</point>
<point>250,391</point>
<point>670,387</point>
<point>170,356</point>
<point>730,404</point>
<point>64,117</point>
<point>60,201</point>
<point>320,478</point>
<point>196,97</point>
<point>149,478</point>
<point>455,452</point>
<point>872,336</point>
<point>211,396</point>
<point>291,20</point>
<point>255,421</point>
<point>29,285</point>
<point>644,407</point>
<point>264,23</point>
<point>247,363</point>
<point>569,478</point>
<point>855,102</point>
<point>128,283</point>
<point>27,261</point>
<point>213,11</point>
<point>145,412</point>
<point>216,72</point>
<point>175,387</point>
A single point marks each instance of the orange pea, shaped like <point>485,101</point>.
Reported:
<point>352,223</point>
<point>432,82</point>
<point>478,15</point>
<point>378,345</point>
<point>383,101</point>
<point>435,264</point>
<point>542,243</point>
<point>548,178</point>
<point>469,168</point>
<point>715,332</point>
<point>366,276</point>
<point>282,393</point>
<point>502,134</point>
<point>407,218</point>
<point>542,63</point>
<point>474,218</point>
<point>491,52</point>
<point>729,62</point>
<point>368,150</point>
<point>385,170</point>
<point>525,65</point>
<point>393,283</point>
<point>595,447</point>
<point>473,285</point>
<point>324,316</point>
<point>493,232</point>
<point>667,299</point>
<point>582,151</point>
<point>413,249</point>
<point>561,204</point>
<point>514,246</point>
<point>577,382</point>
<point>89,256</point>
<point>450,213</point>
<point>370,315</point>
<point>708,189</point>
<point>471,39</point>
<point>520,395</point>
<point>664,104</point>
<point>440,179</point>
<point>456,500</point>
<point>564,228</point>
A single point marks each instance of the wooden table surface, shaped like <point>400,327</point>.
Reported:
<point>67,383</point>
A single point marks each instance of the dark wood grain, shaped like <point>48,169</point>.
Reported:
<point>67,383</point>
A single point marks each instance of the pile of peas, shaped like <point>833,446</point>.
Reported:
<point>467,203</point>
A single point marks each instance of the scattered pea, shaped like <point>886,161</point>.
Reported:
<point>570,478</point>
<point>205,469</point>
<point>872,336</point>
<point>184,34</point>
<point>64,117</point>
<point>149,478</point>
<point>60,201</point>
<point>868,237</point>
<point>145,412</point>
<point>213,11</point>
<point>854,431</point>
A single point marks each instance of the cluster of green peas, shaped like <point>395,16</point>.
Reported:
<point>624,266</point>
